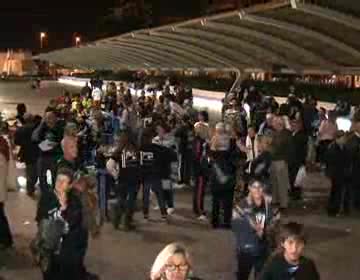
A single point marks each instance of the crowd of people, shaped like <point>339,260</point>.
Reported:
<point>101,144</point>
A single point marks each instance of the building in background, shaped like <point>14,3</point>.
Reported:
<point>17,63</point>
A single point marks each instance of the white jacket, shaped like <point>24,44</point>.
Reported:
<point>249,148</point>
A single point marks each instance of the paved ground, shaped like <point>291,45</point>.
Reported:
<point>119,255</point>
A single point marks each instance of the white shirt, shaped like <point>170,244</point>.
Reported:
<point>97,94</point>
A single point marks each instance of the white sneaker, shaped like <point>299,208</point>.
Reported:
<point>202,218</point>
<point>156,208</point>
<point>170,211</point>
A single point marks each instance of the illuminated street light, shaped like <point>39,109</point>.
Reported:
<point>77,40</point>
<point>42,37</point>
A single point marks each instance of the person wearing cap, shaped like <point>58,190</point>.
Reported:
<point>254,219</point>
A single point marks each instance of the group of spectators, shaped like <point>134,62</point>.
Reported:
<point>115,143</point>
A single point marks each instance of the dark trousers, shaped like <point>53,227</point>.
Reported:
<point>186,167</point>
<point>355,194</point>
<point>5,233</point>
<point>199,195</point>
<point>155,186</point>
<point>168,192</point>
<point>339,196</point>
<point>31,176</point>
<point>126,194</point>
<point>293,171</point>
<point>46,163</point>
<point>247,262</point>
<point>321,150</point>
<point>222,199</point>
<point>61,269</point>
<point>103,186</point>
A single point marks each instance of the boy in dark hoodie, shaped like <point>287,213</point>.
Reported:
<point>289,263</point>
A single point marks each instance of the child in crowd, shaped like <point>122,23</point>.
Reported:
<point>253,220</point>
<point>289,263</point>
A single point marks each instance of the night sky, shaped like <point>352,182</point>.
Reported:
<point>21,21</point>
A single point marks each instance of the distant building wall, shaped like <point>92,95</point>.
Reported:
<point>17,63</point>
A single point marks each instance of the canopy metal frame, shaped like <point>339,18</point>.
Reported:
<point>232,41</point>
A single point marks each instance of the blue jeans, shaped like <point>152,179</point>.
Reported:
<point>156,187</point>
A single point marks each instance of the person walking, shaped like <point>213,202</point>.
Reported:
<point>48,135</point>
<point>29,151</point>
<point>127,157</point>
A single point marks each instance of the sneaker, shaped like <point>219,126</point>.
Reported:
<point>156,208</point>
<point>202,218</point>
<point>170,211</point>
<point>179,186</point>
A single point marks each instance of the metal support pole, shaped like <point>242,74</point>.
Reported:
<point>237,79</point>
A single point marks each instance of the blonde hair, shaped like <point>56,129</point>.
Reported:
<point>163,257</point>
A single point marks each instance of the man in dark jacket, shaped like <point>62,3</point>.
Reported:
<point>297,155</point>
<point>48,135</point>
<point>29,151</point>
<point>153,159</point>
<point>338,162</point>
<point>185,136</point>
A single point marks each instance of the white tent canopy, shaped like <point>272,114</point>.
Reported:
<point>284,35</point>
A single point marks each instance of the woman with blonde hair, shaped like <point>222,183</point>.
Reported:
<point>172,263</point>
